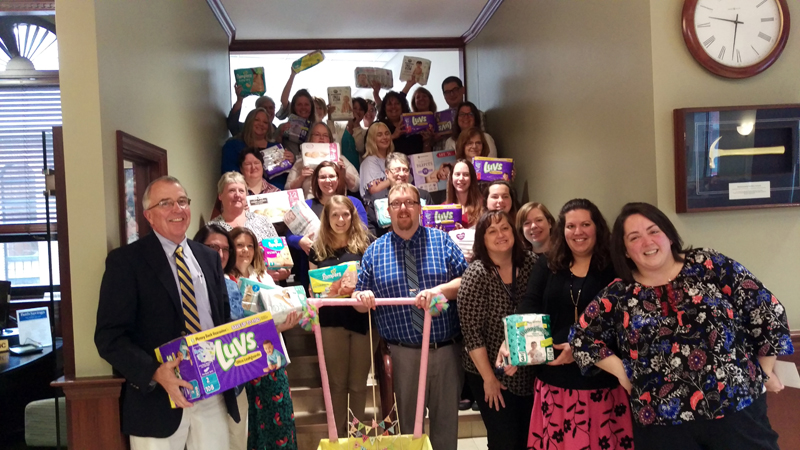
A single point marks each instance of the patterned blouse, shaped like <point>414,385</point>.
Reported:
<point>259,225</point>
<point>482,304</point>
<point>689,347</point>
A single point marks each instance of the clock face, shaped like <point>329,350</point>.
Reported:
<point>738,33</point>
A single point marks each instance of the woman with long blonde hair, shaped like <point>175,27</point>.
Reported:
<point>379,146</point>
<point>343,238</point>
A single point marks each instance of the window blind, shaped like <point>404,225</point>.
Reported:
<point>26,112</point>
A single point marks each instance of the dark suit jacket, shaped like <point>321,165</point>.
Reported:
<point>139,310</point>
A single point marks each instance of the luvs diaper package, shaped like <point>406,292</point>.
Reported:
<point>276,253</point>
<point>274,205</point>
<point>493,169</point>
<point>445,120</point>
<point>419,122</point>
<point>334,281</point>
<point>315,153</point>
<point>226,356</point>
<point>432,169</point>
<point>528,339</point>
<point>443,217</point>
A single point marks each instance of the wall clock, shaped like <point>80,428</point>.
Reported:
<point>735,38</point>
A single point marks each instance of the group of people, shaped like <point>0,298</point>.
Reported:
<point>652,339</point>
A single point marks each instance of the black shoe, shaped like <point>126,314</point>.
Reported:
<point>464,405</point>
<point>475,407</point>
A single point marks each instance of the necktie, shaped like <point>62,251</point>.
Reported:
<point>190,316</point>
<point>417,316</point>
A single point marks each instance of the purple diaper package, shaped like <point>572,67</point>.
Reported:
<point>445,120</point>
<point>418,122</point>
<point>493,169</point>
<point>226,356</point>
<point>275,163</point>
<point>443,217</point>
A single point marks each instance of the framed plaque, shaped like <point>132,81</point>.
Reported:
<point>738,157</point>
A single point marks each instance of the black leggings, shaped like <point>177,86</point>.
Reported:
<point>748,429</point>
<point>506,429</point>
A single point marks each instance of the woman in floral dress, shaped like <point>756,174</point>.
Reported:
<point>690,333</point>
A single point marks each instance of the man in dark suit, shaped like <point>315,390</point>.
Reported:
<point>154,290</point>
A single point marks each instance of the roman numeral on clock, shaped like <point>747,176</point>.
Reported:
<point>765,37</point>
<point>738,56</point>
<point>704,25</point>
<point>709,41</point>
<point>768,19</point>
<point>721,52</point>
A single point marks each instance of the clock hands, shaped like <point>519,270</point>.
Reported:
<point>728,20</point>
<point>736,22</point>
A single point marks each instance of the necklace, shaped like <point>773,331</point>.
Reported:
<point>572,296</point>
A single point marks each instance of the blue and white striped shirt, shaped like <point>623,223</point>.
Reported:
<point>438,260</point>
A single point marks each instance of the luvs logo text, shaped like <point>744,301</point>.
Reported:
<point>493,167</point>
<point>443,216</point>
<point>419,120</point>
<point>227,354</point>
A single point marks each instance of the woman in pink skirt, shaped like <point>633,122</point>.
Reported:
<point>572,411</point>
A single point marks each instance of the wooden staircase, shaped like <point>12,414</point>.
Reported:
<point>309,405</point>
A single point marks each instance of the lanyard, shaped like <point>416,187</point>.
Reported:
<point>513,289</point>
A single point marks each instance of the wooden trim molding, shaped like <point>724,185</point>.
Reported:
<point>65,305</point>
<point>483,18</point>
<point>93,417</point>
<point>150,162</point>
<point>223,18</point>
<point>25,6</point>
<point>264,45</point>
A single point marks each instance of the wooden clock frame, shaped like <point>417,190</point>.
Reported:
<point>696,47</point>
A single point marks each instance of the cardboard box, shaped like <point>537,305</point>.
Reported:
<point>528,339</point>
<point>432,169</point>
<point>443,217</point>
<point>314,154</point>
<point>419,122</point>
<point>419,68</point>
<point>493,169</point>
<point>275,205</point>
<point>342,101</point>
<point>366,75</point>
<point>334,281</point>
<point>276,253</point>
<point>251,81</point>
<point>226,356</point>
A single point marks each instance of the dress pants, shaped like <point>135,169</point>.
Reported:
<point>348,361</point>
<point>506,429</point>
<point>443,390</point>
<point>203,427</point>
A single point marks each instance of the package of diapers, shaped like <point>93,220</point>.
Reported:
<point>221,358</point>
<point>251,81</point>
<point>417,68</point>
<point>276,253</point>
<point>465,239</point>
<point>275,205</point>
<point>493,169</point>
<point>365,76</point>
<point>275,163</point>
<point>419,122</point>
<point>282,301</point>
<point>334,281</point>
<point>302,221</point>
<point>308,61</point>
<point>528,339</point>
<point>315,153</point>
<point>340,99</point>
<point>443,217</point>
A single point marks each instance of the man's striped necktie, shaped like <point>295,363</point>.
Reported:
<point>417,316</point>
<point>190,316</point>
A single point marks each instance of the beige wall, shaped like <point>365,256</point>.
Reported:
<point>159,72</point>
<point>567,88</point>
<point>583,92</point>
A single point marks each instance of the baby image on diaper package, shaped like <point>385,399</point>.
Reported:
<point>276,253</point>
<point>419,68</point>
<point>220,358</point>
<point>334,281</point>
<point>528,339</point>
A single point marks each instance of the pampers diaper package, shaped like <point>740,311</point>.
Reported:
<point>276,253</point>
<point>443,217</point>
<point>226,356</point>
<point>334,281</point>
<point>432,169</point>
<point>528,339</point>
<point>251,81</point>
<point>493,169</point>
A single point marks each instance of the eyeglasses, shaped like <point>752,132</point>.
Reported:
<point>469,114</point>
<point>407,204</point>
<point>218,249</point>
<point>451,91</point>
<point>399,170</point>
<point>169,203</point>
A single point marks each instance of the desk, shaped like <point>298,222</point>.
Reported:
<point>24,379</point>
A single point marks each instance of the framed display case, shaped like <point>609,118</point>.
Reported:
<point>739,157</point>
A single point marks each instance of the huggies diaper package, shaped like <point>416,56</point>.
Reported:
<point>528,339</point>
<point>334,281</point>
<point>493,169</point>
<point>226,356</point>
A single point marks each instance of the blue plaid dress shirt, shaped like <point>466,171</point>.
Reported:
<point>439,261</point>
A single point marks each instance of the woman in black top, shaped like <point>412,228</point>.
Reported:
<point>393,107</point>
<point>343,238</point>
<point>491,289</point>
<point>572,411</point>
